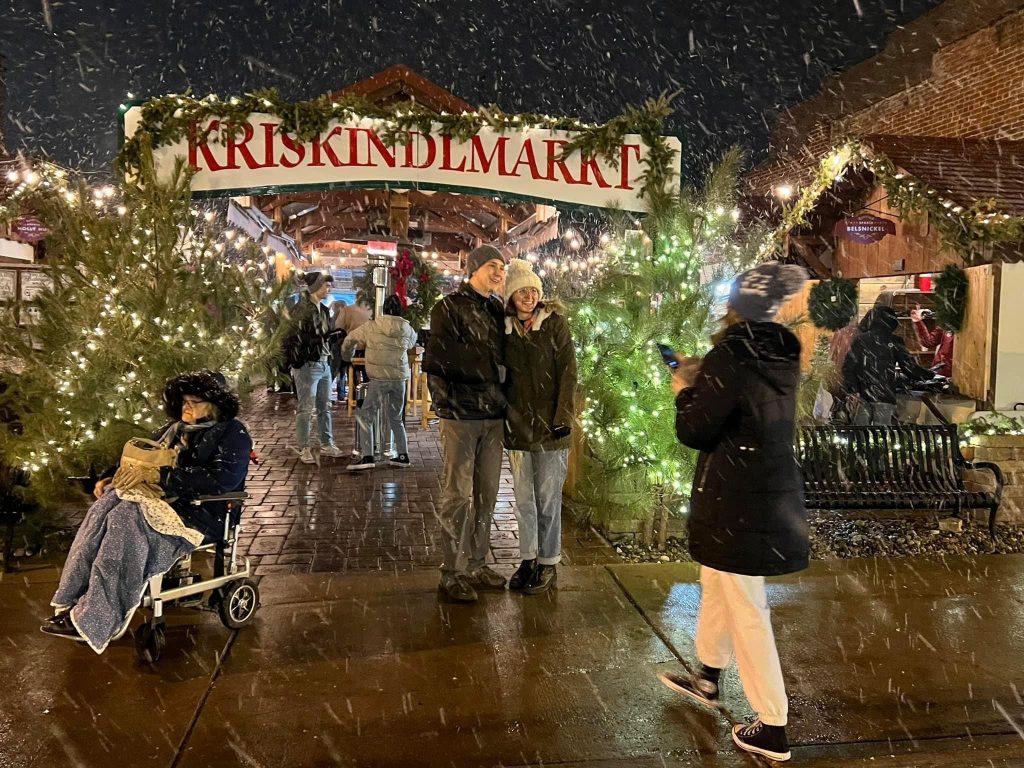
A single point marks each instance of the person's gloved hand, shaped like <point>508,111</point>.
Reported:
<point>136,476</point>
<point>561,431</point>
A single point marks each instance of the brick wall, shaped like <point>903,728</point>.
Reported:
<point>957,70</point>
<point>976,90</point>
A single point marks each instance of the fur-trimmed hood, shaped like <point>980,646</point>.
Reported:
<point>544,310</point>
<point>209,385</point>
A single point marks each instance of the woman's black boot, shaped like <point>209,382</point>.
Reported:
<point>523,575</point>
<point>543,579</point>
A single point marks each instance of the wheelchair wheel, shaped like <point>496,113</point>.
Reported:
<point>150,642</point>
<point>239,603</point>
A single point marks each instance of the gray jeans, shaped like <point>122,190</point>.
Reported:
<point>389,395</point>
<point>538,478</point>
<point>472,470</point>
<point>873,414</point>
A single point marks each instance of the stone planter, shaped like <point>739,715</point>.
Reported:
<point>1007,451</point>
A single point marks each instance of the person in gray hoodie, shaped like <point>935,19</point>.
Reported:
<point>387,341</point>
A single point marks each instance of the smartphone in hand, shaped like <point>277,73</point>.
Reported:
<point>669,356</point>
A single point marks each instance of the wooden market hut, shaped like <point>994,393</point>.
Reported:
<point>891,211</point>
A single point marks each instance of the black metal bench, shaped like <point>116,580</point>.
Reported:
<point>910,466</point>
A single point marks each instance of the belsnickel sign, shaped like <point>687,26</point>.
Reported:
<point>525,163</point>
<point>864,229</point>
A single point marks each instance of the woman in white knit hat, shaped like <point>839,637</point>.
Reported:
<point>541,391</point>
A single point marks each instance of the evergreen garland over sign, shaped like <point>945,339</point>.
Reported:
<point>168,119</point>
<point>951,298</point>
<point>833,303</point>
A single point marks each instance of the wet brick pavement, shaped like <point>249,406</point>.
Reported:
<point>303,518</point>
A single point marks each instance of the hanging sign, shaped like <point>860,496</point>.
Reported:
<point>865,228</point>
<point>29,229</point>
<point>8,285</point>
<point>525,163</point>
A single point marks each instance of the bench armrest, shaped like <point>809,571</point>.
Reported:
<point>995,470</point>
<point>233,496</point>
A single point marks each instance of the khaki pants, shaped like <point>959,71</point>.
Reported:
<point>734,619</point>
<point>472,470</point>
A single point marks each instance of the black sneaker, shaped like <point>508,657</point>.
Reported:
<point>765,740</point>
<point>698,688</point>
<point>456,589</point>
<point>366,462</point>
<point>522,575</point>
<point>544,578</point>
<point>61,626</point>
<point>401,460</point>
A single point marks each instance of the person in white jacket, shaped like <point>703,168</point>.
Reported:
<point>387,341</point>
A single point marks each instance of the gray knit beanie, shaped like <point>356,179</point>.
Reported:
<point>758,293</point>
<point>480,256</point>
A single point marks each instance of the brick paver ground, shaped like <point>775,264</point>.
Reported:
<point>303,518</point>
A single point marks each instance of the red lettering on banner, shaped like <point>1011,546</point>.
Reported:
<point>197,147</point>
<point>242,148</point>
<point>446,156</point>
<point>292,146</point>
<point>324,145</point>
<point>374,142</point>
<point>486,161</point>
<point>413,144</point>
<point>527,158</point>
<point>589,165</point>
<point>554,150</point>
<point>268,145</point>
<point>627,182</point>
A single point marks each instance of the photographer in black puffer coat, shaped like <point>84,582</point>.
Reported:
<point>747,517</point>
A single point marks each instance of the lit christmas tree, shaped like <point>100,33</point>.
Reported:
<point>142,290</point>
<point>651,291</point>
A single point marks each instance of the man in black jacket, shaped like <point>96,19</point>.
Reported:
<point>465,362</point>
<point>307,350</point>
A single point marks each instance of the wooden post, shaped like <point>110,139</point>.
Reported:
<point>398,215</point>
<point>648,532</point>
<point>662,522</point>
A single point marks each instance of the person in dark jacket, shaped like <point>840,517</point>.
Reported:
<point>142,521</point>
<point>541,391</point>
<point>870,372</point>
<point>308,350</point>
<point>464,360</point>
<point>747,517</point>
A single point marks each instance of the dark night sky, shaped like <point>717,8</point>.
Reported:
<point>70,63</point>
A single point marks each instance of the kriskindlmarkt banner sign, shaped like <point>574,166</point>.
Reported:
<point>526,163</point>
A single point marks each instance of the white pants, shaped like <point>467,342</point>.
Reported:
<point>734,618</point>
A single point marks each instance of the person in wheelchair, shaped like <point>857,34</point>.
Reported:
<point>143,521</point>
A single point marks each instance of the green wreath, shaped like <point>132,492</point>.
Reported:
<point>833,303</point>
<point>951,298</point>
<point>421,289</point>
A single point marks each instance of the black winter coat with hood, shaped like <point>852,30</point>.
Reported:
<point>747,513</point>
<point>869,369</point>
